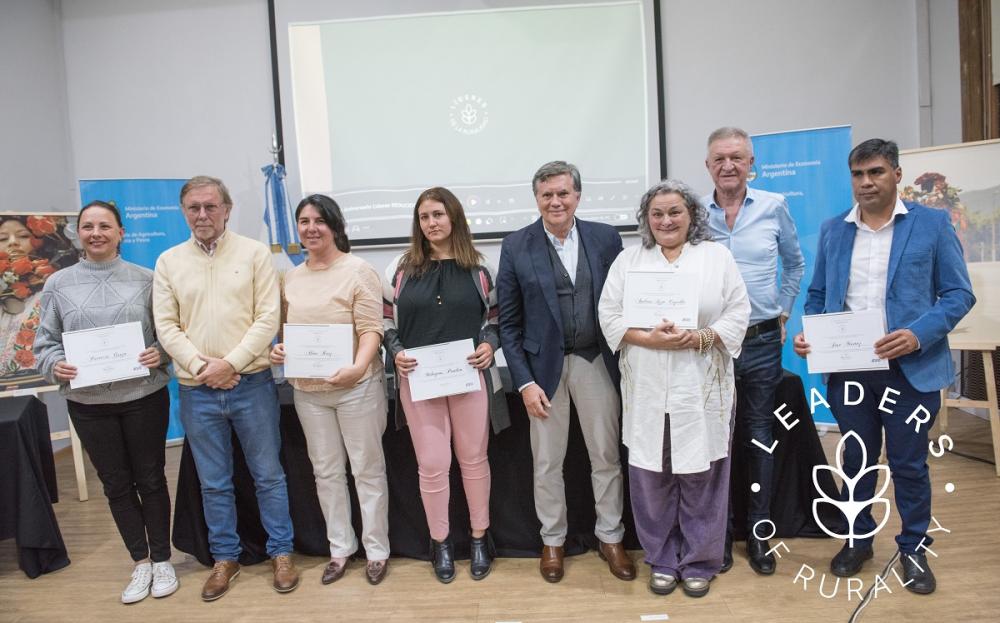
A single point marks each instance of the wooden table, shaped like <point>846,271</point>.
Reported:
<point>977,334</point>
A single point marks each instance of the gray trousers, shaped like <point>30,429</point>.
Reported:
<point>590,388</point>
<point>348,424</point>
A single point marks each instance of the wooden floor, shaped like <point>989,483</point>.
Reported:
<point>968,572</point>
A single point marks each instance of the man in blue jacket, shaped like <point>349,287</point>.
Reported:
<point>905,259</point>
<point>549,283</point>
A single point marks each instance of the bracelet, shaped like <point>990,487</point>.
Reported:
<point>706,340</point>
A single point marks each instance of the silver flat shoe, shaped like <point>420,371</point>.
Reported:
<point>695,587</point>
<point>662,584</point>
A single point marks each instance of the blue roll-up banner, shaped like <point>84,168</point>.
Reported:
<point>153,223</point>
<point>808,167</point>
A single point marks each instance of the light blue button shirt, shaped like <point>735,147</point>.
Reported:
<point>568,250</point>
<point>763,232</point>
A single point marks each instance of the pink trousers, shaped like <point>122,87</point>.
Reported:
<point>433,425</point>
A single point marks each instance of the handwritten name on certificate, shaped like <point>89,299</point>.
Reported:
<point>443,370</point>
<point>651,296</point>
<point>317,351</point>
<point>105,354</point>
<point>844,342</point>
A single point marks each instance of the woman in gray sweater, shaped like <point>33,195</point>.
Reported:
<point>122,425</point>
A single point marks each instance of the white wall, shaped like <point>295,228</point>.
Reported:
<point>945,72</point>
<point>772,65</point>
<point>172,88</point>
<point>34,157</point>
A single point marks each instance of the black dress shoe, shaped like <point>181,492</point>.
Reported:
<point>443,560</point>
<point>917,575</point>
<point>761,560</point>
<point>849,560</point>
<point>480,556</point>
<point>727,553</point>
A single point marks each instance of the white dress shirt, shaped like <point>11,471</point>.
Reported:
<point>568,250</point>
<point>870,260</point>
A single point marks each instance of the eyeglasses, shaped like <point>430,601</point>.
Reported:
<point>196,208</point>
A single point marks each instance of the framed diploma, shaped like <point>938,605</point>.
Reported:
<point>105,354</point>
<point>443,370</point>
<point>317,351</point>
<point>651,296</point>
<point>844,342</point>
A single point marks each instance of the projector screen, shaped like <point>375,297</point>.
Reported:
<point>379,103</point>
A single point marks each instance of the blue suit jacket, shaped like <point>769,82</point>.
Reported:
<point>928,289</point>
<point>531,330</point>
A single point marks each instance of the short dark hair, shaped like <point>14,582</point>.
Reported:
<point>330,212</point>
<point>553,169</point>
<point>107,205</point>
<point>875,148</point>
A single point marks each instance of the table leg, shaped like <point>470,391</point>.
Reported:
<point>991,397</point>
<point>81,473</point>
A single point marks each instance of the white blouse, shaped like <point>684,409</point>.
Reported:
<point>695,390</point>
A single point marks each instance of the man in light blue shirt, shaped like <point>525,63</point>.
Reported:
<point>757,228</point>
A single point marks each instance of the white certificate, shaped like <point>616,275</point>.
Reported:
<point>651,296</point>
<point>443,370</point>
<point>844,342</point>
<point>317,351</point>
<point>105,354</point>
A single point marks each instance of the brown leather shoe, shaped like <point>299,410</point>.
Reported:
<point>375,571</point>
<point>551,564</point>
<point>217,584</point>
<point>619,563</point>
<point>333,572</point>
<point>286,576</point>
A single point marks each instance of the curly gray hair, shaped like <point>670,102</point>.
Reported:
<point>698,229</point>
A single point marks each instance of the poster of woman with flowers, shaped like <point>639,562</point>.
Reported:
<point>32,247</point>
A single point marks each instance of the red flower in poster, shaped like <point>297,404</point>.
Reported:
<point>21,266</point>
<point>43,268</point>
<point>4,266</point>
<point>25,337</point>
<point>36,243</point>
<point>41,225</point>
<point>25,358</point>
<point>20,289</point>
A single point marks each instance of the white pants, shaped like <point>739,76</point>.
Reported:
<point>598,407</point>
<point>347,424</point>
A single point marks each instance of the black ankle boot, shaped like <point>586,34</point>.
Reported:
<point>481,556</point>
<point>727,553</point>
<point>443,560</point>
<point>761,560</point>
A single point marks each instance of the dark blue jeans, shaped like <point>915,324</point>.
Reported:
<point>758,373</point>
<point>251,409</point>
<point>906,449</point>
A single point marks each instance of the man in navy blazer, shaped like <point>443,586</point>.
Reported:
<point>906,260</point>
<point>549,282</point>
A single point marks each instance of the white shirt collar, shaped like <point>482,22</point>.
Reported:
<point>570,237</point>
<point>854,216</point>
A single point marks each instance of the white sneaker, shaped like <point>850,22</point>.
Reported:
<point>138,588</point>
<point>164,579</point>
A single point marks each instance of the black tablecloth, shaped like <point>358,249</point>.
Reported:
<point>513,523</point>
<point>28,486</point>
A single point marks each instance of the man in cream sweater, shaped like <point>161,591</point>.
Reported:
<point>216,307</point>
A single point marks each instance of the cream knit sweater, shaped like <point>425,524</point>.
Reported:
<point>225,305</point>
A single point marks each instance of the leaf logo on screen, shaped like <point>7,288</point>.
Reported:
<point>851,507</point>
<point>468,114</point>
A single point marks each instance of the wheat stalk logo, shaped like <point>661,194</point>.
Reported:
<point>851,507</point>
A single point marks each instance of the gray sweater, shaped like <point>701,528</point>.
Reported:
<point>87,295</point>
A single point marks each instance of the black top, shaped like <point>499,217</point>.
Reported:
<point>442,305</point>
